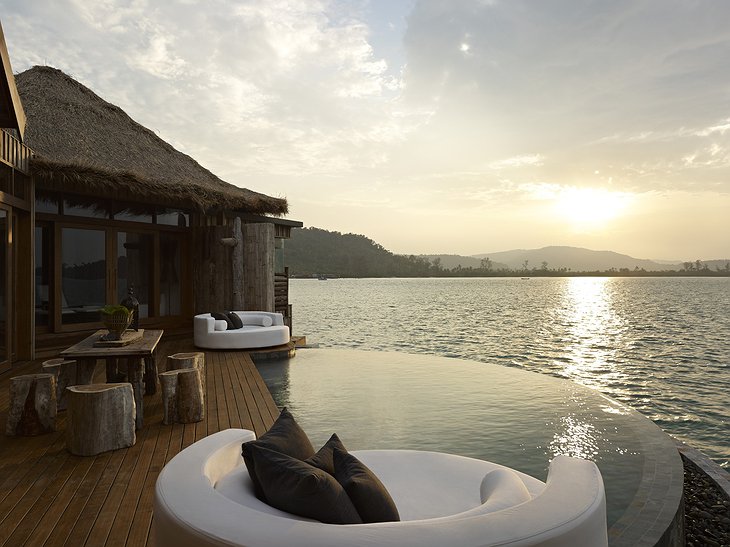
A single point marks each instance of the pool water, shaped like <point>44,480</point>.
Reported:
<point>509,416</point>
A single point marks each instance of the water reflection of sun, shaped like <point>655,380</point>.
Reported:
<point>593,331</point>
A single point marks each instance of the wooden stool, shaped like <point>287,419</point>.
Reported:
<point>65,373</point>
<point>195,359</point>
<point>101,417</point>
<point>32,405</point>
<point>183,397</point>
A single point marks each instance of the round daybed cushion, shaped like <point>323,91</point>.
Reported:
<point>203,497</point>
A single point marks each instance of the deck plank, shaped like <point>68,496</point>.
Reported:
<point>50,497</point>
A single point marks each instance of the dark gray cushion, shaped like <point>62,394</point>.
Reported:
<point>301,489</point>
<point>284,436</point>
<point>324,456</point>
<point>235,320</point>
<point>223,317</point>
<point>367,493</point>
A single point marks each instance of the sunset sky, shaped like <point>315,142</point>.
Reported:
<point>430,126</point>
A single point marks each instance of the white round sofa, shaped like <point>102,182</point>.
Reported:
<point>260,330</point>
<point>204,497</point>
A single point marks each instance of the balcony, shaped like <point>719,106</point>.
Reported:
<point>14,153</point>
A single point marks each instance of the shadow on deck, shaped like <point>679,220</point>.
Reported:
<point>51,497</point>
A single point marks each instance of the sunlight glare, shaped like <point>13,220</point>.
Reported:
<point>590,207</point>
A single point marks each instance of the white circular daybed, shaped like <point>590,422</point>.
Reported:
<point>260,330</point>
<point>204,497</point>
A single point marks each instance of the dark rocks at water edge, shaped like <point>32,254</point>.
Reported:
<point>706,510</point>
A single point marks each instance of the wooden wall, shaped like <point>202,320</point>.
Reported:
<point>212,273</point>
<point>258,264</point>
<point>214,267</point>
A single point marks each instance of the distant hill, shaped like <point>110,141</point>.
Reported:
<point>312,251</point>
<point>574,259</point>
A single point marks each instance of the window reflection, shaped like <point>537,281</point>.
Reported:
<point>20,185</point>
<point>46,203</point>
<point>132,213</point>
<point>173,217</point>
<point>134,268</point>
<point>43,261</point>
<point>83,275</point>
<point>85,208</point>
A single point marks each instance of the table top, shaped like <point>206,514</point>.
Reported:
<point>139,348</point>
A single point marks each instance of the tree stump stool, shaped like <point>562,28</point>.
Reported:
<point>32,408</point>
<point>194,359</point>
<point>183,396</point>
<point>101,417</point>
<point>65,373</point>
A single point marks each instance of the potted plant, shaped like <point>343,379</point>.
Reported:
<point>116,319</point>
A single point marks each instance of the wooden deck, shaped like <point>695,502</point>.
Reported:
<point>50,497</point>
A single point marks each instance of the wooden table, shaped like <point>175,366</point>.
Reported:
<point>140,363</point>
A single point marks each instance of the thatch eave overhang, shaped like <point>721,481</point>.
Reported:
<point>89,180</point>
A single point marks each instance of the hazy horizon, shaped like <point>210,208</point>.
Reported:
<point>427,125</point>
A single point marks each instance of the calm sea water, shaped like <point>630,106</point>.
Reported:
<point>660,345</point>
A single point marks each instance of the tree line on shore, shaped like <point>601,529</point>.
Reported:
<point>316,252</point>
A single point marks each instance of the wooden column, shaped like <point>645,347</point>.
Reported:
<point>258,260</point>
<point>32,405</point>
<point>24,244</point>
<point>212,269</point>
<point>237,285</point>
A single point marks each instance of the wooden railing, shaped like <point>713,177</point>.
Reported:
<point>13,152</point>
<point>281,296</point>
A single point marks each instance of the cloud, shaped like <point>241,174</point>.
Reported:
<point>619,83</point>
<point>425,109</point>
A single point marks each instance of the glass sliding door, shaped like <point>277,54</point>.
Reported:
<point>135,268</point>
<point>43,276</point>
<point>83,275</point>
<point>170,274</point>
<point>5,277</point>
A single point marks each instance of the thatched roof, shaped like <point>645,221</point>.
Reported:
<point>88,146</point>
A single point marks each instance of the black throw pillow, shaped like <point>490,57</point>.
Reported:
<point>301,489</point>
<point>235,320</point>
<point>367,493</point>
<point>218,316</point>
<point>284,436</point>
<point>324,458</point>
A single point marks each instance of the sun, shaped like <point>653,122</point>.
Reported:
<point>590,207</point>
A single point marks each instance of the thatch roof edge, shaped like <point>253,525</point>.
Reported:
<point>87,179</point>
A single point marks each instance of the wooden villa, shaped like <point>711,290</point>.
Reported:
<point>92,203</point>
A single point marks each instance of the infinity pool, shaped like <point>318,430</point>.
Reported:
<point>505,415</point>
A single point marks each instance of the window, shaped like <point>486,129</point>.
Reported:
<point>134,268</point>
<point>170,301</point>
<point>83,275</point>
<point>82,207</point>
<point>173,217</point>
<point>132,213</point>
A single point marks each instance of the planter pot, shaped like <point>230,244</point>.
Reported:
<point>116,323</point>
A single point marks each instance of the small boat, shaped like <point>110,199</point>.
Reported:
<point>525,278</point>
<point>322,277</point>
